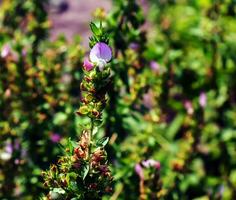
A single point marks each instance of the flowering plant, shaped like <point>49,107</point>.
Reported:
<point>83,172</point>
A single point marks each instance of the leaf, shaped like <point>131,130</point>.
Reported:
<point>102,142</point>
<point>174,126</point>
<point>96,31</point>
<point>71,145</point>
<point>73,186</point>
<point>59,118</point>
<point>85,171</point>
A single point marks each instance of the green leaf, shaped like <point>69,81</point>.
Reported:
<point>73,186</point>
<point>71,145</point>
<point>96,31</point>
<point>85,171</point>
<point>102,142</point>
<point>174,126</point>
<point>59,118</point>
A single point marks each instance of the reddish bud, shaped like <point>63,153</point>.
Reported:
<point>88,66</point>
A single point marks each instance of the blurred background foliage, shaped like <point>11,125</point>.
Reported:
<point>173,97</point>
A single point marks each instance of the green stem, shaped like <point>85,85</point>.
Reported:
<point>91,136</point>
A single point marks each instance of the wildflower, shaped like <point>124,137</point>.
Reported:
<point>148,99</point>
<point>6,51</point>
<point>139,171</point>
<point>203,99</point>
<point>134,46</point>
<point>88,66</point>
<point>7,153</point>
<point>154,66</point>
<point>151,163</point>
<point>7,93</point>
<point>100,55</point>
<point>189,107</point>
<point>55,137</point>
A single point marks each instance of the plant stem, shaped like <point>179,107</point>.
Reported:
<point>91,136</point>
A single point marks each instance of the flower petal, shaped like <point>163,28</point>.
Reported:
<point>151,163</point>
<point>100,51</point>
<point>88,66</point>
<point>139,171</point>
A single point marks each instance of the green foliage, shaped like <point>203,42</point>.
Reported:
<point>38,95</point>
<point>99,34</point>
<point>171,98</point>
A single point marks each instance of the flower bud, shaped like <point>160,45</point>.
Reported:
<point>88,66</point>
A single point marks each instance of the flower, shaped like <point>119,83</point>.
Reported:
<point>55,137</point>
<point>139,171</point>
<point>154,66</point>
<point>134,46</point>
<point>151,163</point>
<point>7,153</point>
<point>88,66</point>
<point>6,50</point>
<point>203,99</point>
<point>100,55</point>
<point>189,107</point>
<point>148,99</point>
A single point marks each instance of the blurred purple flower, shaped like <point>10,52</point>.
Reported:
<point>154,66</point>
<point>148,99</point>
<point>24,153</point>
<point>7,152</point>
<point>24,52</point>
<point>100,54</point>
<point>17,161</point>
<point>139,171</point>
<point>134,46</point>
<point>189,107</point>
<point>88,66</point>
<point>6,50</point>
<point>151,163</point>
<point>55,137</point>
<point>203,99</point>
<point>17,144</point>
<point>9,148</point>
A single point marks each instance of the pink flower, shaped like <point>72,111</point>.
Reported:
<point>139,171</point>
<point>55,137</point>
<point>100,55</point>
<point>88,66</point>
<point>154,66</point>
<point>148,99</point>
<point>189,107</point>
<point>151,163</point>
<point>6,51</point>
<point>203,99</point>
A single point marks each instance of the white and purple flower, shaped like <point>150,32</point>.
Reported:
<point>146,164</point>
<point>6,51</point>
<point>100,55</point>
<point>189,107</point>
<point>151,163</point>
